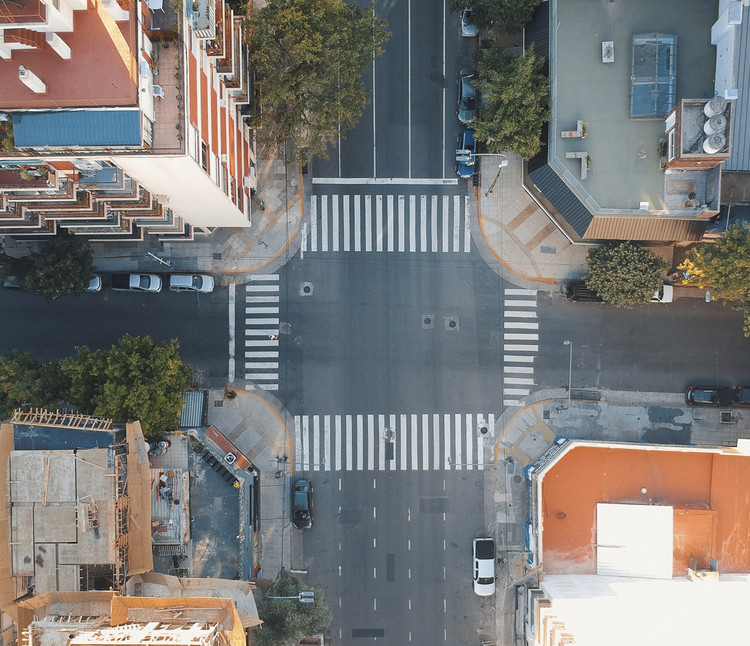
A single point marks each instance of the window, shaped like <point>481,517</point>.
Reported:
<point>204,156</point>
<point>670,145</point>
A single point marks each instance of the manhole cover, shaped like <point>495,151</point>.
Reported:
<point>451,323</point>
<point>306,289</point>
<point>428,321</point>
<point>517,479</point>
<point>483,430</point>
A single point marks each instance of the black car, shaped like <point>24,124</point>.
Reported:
<point>302,504</point>
<point>577,292</point>
<point>743,396</point>
<point>710,396</point>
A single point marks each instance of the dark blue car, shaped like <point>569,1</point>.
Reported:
<point>465,160</point>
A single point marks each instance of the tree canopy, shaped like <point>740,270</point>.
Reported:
<point>515,99</point>
<point>135,380</point>
<point>309,57</point>
<point>724,268</point>
<point>624,274</point>
<point>287,621</point>
<point>25,382</point>
<point>63,266</point>
<point>511,14</point>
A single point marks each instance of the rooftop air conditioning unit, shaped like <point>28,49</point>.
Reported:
<point>230,458</point>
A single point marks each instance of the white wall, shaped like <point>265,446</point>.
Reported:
<point>192,194</point>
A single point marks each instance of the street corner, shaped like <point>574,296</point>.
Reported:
<point>526,433</point>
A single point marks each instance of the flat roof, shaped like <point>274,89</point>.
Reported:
<point>708,491</point>
<point>624,168</point>
<point>102,69</point>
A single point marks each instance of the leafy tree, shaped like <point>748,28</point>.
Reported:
<point>309,58</point>
<point>63,266</point>
<point>515,98</point>
<point>26,382</point>
<point>724,268</point>
<point>287,621</point>
<point>511,14</point>
<point>624,274</point>
<point>135,380</point>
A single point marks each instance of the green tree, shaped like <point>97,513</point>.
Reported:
<point>724,268</point>
<point>511,14</point>
<point>287,621</point>
<point>135,380</point>
<point>309,57</point>
<point>25,382</point>
<point>515,99</point>
<point>63,266</point>
<point>624,274</point>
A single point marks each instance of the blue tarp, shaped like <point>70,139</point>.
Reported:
<point>77,128</point>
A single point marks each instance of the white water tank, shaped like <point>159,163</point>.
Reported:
<point>714,143</point>
<point>716,124</point>
<point>717,105</point>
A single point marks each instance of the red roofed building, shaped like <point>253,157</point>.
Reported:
<point>123,117</point>
<point>638,544</point>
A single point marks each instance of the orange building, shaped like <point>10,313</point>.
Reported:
<point>123,117</point>
<point>638,543</point>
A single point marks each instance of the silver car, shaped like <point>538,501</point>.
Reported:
<point>191,283</point>
<point>467,28</point>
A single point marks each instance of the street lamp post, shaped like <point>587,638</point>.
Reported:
<point>305,596</point>
<point>570,366</point>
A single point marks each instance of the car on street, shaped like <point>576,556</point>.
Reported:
<point>742,396</point>
<point>136,283</point>
<point>665,294</point>
<point>710,396</point>
<point>95,284</point>
<point>467,97</point>
<point>302,504</point>
<point>191,283</point>
<point>11,282</point>
<point>577,292</point>
<point>468,29</point>
<point>483,550</point>
<point>465,160</point>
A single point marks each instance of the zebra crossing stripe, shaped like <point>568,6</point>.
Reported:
<point>412,223</point>
<point>401,223</point>
<point>337,424</point>
<point>518,358</point>
<point>360,446</point>
<point>379,223</point>
<point>520,314</point>
<point>458,441</point>
<point>520,348</point>
<point>423,223</point>
<point>467,226</point>
<point>381,443</point>
<point>347,230</point>
<point>445,223</point>
<point>521,325</point>
<point>349,443</point>
<point>391,221</point>
<point>335,216</point>
<point>370,442</point>
<point>324,223</point>
<point>262,288</point>
<point>515,303</point>
<point>434,223</point>
<point>266,298</point>
<point>520,292</point>
<point>456,221</point>
<point>313,226</point>
<point>368,223</point>
<point>414,454</point>
<point>357,225</point>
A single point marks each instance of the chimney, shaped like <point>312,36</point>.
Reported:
<point>58,44</point>
<point>31,80</point>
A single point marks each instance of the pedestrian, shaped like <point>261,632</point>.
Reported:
<point>273,337</point>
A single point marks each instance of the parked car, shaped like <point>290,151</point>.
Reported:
<point>742,396</point>
<point>302,504</point>
<point>465,161</point>
<point>11,282</point>
<point>710,396</point>
<point>467,97</point>
<point>136,282</point>
<point>95,284</point>
<point>191,283</point>
<point>665,294</point>
<point>484,566</point>
<point>467,28</point>
<point>578,292</point>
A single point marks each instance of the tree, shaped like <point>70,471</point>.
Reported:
<point>309,57</point>
<point>515,98</point>
<point>25,382</point>
<point>724,268</point>
<point>135,380</point>
<point>512,14</point>
<point>624,274</point>
<point>287,621</point>
<point>63,266</point>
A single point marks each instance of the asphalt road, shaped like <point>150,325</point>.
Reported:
<point>51,331</point>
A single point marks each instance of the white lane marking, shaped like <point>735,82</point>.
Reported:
<point>519,314</point>
<point>261,376</point>
<point>374,573</point>
<point>327,442</point>
<point>392,181</point>
<point>519,381</point>
<point>401,221</point>
<point>316,442</point>
<point>397,440</point>
<point>520,292</point>
<point>360,442</point>
<point>337,426</point>
<point>512,402</point>
<point>336,218</point>
<point>520,325</point>
<point>324,223</point>
<point>469,442</point>
<point>390,222</point>
<point>520,337</point>
<point>436,441</point>
<point>423,223</point>
<point>457,461</point>
<point>403,434</point>
<point>456,223</point>
<point>434,222</point>
<point>467,226</point>
<point>231,314</point>
<point>297,440</point>
<point>348,442</point>
<point>516,391</point>
<point>357,223</point>
<point>446,218</point>
<point>425,442</point>
<point>381,442</point>
<point>259,277</point>
<point>268,298</point>
<point>260,355</point>
<point>261,310</point>
<point>518,358</point>
<point>305,442</point>
<point>514,303</point>
<point>412,223</point>
<point>368,223</point>
<point>263,386</point>
<point>520,348</point>
<point>408,85</point>
<point>379,222</point>
<point>251,365</point>
<point>480,447</point>
<point>261,288</point>
<point>374,512</point>
<point>414,435</point>
<point>491,424</point>
<point>314,223</point>
<point>347,230</point>
<point>447,435</point>
<point>370,442</point>
<point>262,332</point>
<point>261,343</point>
<point>518,370</point>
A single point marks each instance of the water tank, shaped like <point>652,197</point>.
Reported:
<point>716,124</point>
<point>714,143</point>
<point>717,105</point>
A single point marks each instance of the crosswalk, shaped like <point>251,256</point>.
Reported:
<point>520,344</point>
<point>262,332</point>
<point>388,223</point>
<point>381,442</point>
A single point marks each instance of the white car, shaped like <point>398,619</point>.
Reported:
<point>191,283</point>
<point>95,284</point>
<point>484,566</point>
<point>665,294</point>
<point>467,28</point>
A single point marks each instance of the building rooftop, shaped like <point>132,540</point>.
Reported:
<point>699,495</point>
<point>624,169</point>
<point>102,69</point>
